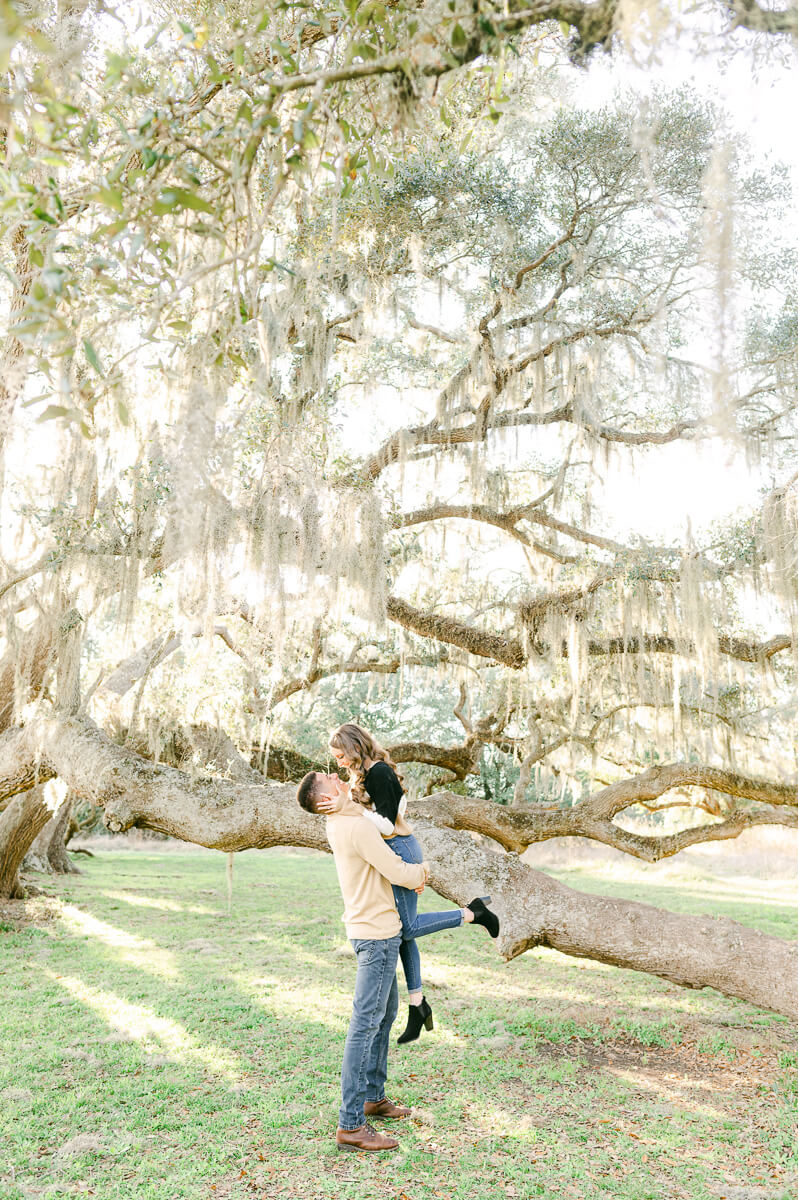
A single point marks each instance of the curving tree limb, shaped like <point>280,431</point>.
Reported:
<point>515,652</point>
<point>536,910</point>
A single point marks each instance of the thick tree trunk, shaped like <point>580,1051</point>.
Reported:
<point>48,851</point>
<point>23,668</point>
<point>536,910</point>
<point>20,823</point>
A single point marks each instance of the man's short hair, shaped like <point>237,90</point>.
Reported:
<point>306,792</point>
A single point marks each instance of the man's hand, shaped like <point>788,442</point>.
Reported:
<point>419,890</point>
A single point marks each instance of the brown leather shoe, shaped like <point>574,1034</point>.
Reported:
<point>364,1138</point>
<point>385,1108</point>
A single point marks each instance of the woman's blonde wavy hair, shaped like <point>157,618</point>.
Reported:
<point>358,745</point>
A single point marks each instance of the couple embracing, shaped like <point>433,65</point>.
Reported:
<point>381,871</point>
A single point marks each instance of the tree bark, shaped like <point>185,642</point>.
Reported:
<point>515,652</point>
<point>536,910</point>
<point>20,822</point>
<point>24,667</point>
<point>594,817</point>
<point>48,851</point>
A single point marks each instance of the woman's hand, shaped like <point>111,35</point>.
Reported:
<point>325,805</point>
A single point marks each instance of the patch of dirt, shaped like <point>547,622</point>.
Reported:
<point>203,946</point>
<point>77,1053</point>
<point>674,1069</point>
<point>36,910</point>
<point>84,1143</point>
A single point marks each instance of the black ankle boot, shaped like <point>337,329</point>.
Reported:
<point>418,1015</point>
<point>484,916</point>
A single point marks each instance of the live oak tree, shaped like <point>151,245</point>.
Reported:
<point>224,240</point>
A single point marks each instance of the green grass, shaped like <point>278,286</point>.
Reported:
<point>196,1054</point>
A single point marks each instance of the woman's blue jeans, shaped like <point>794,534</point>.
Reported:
<point>414,923</point>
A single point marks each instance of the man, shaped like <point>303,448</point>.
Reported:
<point>366,869</point>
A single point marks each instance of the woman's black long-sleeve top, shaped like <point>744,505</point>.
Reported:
<point>384,790</point>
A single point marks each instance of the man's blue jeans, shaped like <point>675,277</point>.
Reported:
<point>374,1006</point>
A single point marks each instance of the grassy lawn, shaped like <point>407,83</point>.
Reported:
<point>155,1047</point>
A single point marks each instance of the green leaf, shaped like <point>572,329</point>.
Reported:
<point>172,198</point>
<point>44,216</point>
<point>459,37</point>
<point>29,325</point>
<point>110,197</point>
<point>36,257</point>
<point>55,410</point>
<point>91,355</point>
<point>285,52</point>
<point>111,230</point>
<point>53,278</point>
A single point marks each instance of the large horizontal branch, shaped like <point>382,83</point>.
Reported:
<point>391,666</point>
<point>654,782</point>
<point>745,649</point>
<point>461,760</point>
<point>593,24</point>
<point>436,433</point>
<point>507,521</point>
<point>585,18</point>
<point>592,818</point>
<point>514,652</point>
<point>507,650</point>
<point>535,909</point>
<point>146,658</point>
<point>751,15</point>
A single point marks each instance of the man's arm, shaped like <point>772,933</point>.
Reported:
<point>372,848</point>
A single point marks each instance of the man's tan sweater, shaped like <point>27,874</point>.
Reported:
<point>366,869</point>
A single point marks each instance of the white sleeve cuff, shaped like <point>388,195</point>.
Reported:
<point>383,824</point>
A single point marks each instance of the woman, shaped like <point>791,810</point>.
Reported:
<point>375,784</point>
